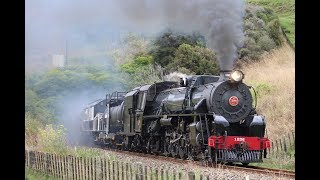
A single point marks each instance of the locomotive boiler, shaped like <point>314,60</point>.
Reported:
<point>201,117</point>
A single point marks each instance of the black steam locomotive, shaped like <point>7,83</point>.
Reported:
<point>201,117</point>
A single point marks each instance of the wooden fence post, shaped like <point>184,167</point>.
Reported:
<point>127,171</point>
<point>157,173</point>
<point>289,139</point>
<point>45,168</point>
<point>42,162</point>
<point>117,164</point>
<point>284,143</point>
<point>140,172</point>
<point>191,175</point>
<point>180,175</point>
<point>277,147</point>
<point>145,172</point>
<point>70,167</point>
<point>293,138</point>
<point>132,175</point>
<point>108,169</point>
<point>53,158</point>
<point>113,171</point>
<point>46,164</point>
<point>35,161</point>
<point>93,168</point>
<point>51,164</point>
<point>162,174</point>
<point>88,167</point>
<point>167,174</point>
<point>61,166</point>
<point>39,162</point>
<point>151,173</point>
<point>57,165</point>
<point>122,171</point>
<point>65,167</point>
<point>101,175</point>
<point>82,175</point>
<point>77,168</point>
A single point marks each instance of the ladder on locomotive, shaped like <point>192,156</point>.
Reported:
<point>187,99</point>
<point>207,128</point>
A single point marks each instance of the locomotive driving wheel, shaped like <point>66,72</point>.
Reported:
<point>148,148</point>
<point>172,150</point>
<point>166,147</point>
<point>190,152</point>
<point>182,149</point>
<point>136,143</point>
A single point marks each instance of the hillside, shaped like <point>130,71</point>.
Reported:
<point>285,9</point>
<point>274,80</point>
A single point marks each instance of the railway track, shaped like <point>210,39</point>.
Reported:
<point>252,169</point>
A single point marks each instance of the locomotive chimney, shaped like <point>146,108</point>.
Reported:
<point>224,75</point>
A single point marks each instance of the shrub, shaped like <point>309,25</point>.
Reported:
<point>52,139</point>
<point>32,127</point>
<point>266,43</point>
<point>198,60</point>
<point>263,89</point>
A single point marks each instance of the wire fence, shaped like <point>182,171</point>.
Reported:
<point>71,167</point>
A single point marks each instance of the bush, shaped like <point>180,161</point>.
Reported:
<point>266,43</point>
<point>198,60</point>
<point>263,89</point>
<point>138,62</point>
<point>32,127</point>
<point>262,32</point>
<point>52,139</point>
<point>275,32</point>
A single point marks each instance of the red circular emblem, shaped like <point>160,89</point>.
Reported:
<point>233,101</point>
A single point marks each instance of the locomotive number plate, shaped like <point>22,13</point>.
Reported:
<point>239,139</point>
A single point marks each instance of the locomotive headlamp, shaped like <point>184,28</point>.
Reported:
<point>236,75</point>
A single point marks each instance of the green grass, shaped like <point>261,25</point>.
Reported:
<point>277,163</point>
<point>33,175</point>
<point>281,162</point>
<point>285,9</point>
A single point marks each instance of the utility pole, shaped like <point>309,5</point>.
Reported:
<point>66,63</point>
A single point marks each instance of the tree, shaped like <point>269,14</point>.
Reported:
<point>165,46</point>
<point>197,59</point>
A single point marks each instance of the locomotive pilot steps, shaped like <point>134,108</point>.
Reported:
<point>202,117</point>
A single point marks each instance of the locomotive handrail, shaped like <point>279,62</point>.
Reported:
<point>114,96</point>
<point>255,96</point>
